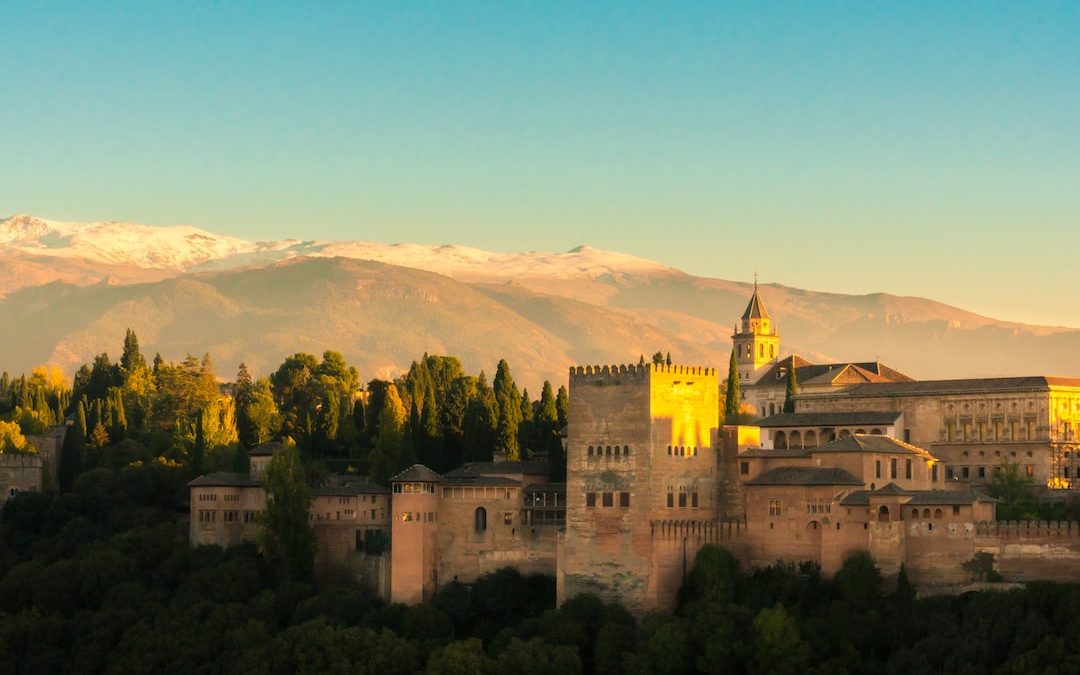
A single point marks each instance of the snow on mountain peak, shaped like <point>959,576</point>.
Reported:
<point>183,248</point>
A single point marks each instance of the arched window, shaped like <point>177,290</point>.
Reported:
<point>937,513</point>
<point>914,513</point>
<point>761,350</point>
<point>480,518</point>
<point>926,513</point>
<point>608,450</point>
<point>626,449</point>
<point>780,440</point>
<point>772,408</point>
<point>860,431</point>
<point>844,433</point>
<point>875,432</point>
<point>883,514</point>
<point>795,440</point>
<point>772,351</point>
<point>810,440</point>
<point>590,451</point>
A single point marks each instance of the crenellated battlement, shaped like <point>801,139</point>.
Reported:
<point>711,530</point>
<point>1029,529</point>
<point>635,371</point>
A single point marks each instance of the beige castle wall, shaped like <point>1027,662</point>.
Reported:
<point>217,530</point>
<point>414,547</point>
<point>608,550</point>
<point>20,472</point>
<point>464,554</point>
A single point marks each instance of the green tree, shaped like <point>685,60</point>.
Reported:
<point>386,456</point>
<point>508,401</point>
<point>562,404</point>
<point>465,657</point>
<point>792,389</point>
<point>534,657</point>
<point>132,359</point>
<point>481,423</point>
<point>731,397</point>
<point>1009,484</point>
<point>198,452</point>
<point>777,646</point>
<point>859,580</point>
<point>715,574</point>
<point>73,450</point>
<point>430,452</point>
<point>287,539</point>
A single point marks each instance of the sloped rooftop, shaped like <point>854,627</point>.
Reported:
<point>830,419</point>
<point>805,475</point>
<point>417,473</point>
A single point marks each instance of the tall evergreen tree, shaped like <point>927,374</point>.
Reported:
<point>386,456</point>
<point>792,389</point>
<point>547,425</point>
<point>562,405</point>
<point>198,452</point>
<point>509,404</point>
<point>287,539</point>
<point>481,423</point>
<point>132,359</point>
<point>117,416</point>
<point>731,397</point>
<point>73,450</point>
<point>430,438</point>
<point>527,430</point>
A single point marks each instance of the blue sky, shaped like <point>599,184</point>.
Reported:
<point>916,148</point>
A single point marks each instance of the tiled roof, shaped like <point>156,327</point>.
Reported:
<point>486,468</point>
<point>225,479</point>
<point>995,384</point>
<point>417,473</point>
<point>919,497</point>
<point>805,475</point>
<point>349,486</point>
<point>545,487</point>
<point>765,453</point>
<point>870,443</point>
<point>481,481</point>
<point>756,308</point>
<point>829,419</point>
<point>266,449</point>
<point>807,373</point>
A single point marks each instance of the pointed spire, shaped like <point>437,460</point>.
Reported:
<point>756,308</point>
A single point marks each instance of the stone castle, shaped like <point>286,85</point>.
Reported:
<point>871,459</point>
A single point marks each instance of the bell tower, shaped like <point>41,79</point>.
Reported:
<point>756,341</point>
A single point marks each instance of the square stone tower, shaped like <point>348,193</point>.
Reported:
<point>641,452</point>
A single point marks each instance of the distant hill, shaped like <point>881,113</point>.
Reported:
<point>70,290</point>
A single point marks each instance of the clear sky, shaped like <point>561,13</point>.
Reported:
<point>916,148</point>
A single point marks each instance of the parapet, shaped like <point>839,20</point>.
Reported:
<point>636,371</point>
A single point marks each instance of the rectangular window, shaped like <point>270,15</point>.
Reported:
<point>744,468</point>
<point>956,510</point>
<point>965,473</point>
<point>1030,470</point>
<point>693,500</point>
<point>590,499</point>
<point>948,473</point>
<point>774,507</point>
<point>624,499</point>
<point>670,500</point>
<point>982,472</point>
<point>933,472</point>
<point>892,467</point>
<point>682,500</point>
<point>508,518</point>
<point>609,499</point>
<point>373,514</point>
<point>907,469</point>
<point>877,468</point>
<point>907,435</point>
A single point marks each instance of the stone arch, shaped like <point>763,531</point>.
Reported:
<point>795,440</point>
<point>844,433</point>
<point>926,513</point>
<point>883,514</point>
<point>772,408</point>
<point>915,513</point>
<point>780,441</point>
<point>875,432</point>
<point>937,513</point>
<point>480,519</point>
<point>810,439</point>
<point>860,431</point>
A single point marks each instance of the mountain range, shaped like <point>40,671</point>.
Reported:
<point>69,290</point>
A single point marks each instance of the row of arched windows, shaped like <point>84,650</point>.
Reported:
<point>608,450</point>
<point>796,440</point>
<point>682,451</point>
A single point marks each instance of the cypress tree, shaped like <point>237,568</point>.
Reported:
<point>431,439</point>
<point>562,405</point>
<point>509,404</point>
<point>667,359</point>
<point>72,451</point>
<point>132,359</point>
<point>792,389</point>
<point>118,426</point>
<point>287,539</point>
<point>198,453</point>
<point>731,398</point>
<point>481,423</point>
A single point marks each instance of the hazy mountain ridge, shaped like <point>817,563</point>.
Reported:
<point>187,290</point>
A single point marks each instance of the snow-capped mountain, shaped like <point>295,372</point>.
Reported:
<point>182,248</point>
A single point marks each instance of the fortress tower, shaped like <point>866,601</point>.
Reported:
<point>640,454</point>
<point>757,344</point>
<point>414,554</point>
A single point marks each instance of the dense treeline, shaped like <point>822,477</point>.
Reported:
<point>101,580</point>
<point>135,410</point>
